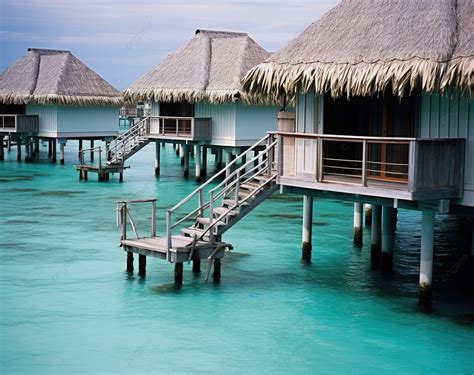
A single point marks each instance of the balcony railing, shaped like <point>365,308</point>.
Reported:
<point>189,128</point>
<point>19,123</point>
<point>407,168</point>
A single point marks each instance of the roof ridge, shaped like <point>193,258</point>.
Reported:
<point>46,51</point>
<point>220,33</point>
<point>36,73</point>
<point>62,73</point>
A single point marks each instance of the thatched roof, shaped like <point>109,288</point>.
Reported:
<point>362,47</point>
<point>48,76</point>
<point>208,68</point>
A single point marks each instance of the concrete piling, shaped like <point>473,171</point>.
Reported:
<point>129,261</point>
<point>185,159</point>
<point>368,214</point>
<point>198,161</point>
<point>157,158</point>
<point>217,270</point>
<point>426,258</point>
<point>376,236</point>
<point>141,265</point>
<point>358,223</point>
<point>178,273</point>
<point>307,247</point>
<point>388,229</point>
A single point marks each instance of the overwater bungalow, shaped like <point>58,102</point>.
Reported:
<point>51,95</point>
<point>194,97</point>
<point>384,116</point>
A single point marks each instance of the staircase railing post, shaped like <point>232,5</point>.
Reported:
<point>200,203</point>
<point>237,187</point>
<point>124,221</point>
<point>168,234</point>
<point>364,162</point>
<point>211,198</point>
<point>177,127</point>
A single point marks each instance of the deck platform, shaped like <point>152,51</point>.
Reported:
<point>182,250</point>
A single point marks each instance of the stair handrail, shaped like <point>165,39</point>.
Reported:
<point>123,139</point>
<point>200,189</point>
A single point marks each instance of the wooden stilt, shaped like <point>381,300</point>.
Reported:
<point>426,258</point>
<point>141,265</point>
<point>18,148</point>
<point>368,215</point>
<point>376,236</point>
<point>178,273</point>
<point>79,151</point>
<point>85,175</point>
<point>387,239</point>
<point>129,261</point>
<point>157,158</point>
<point>61,153</point>
<point>9,143</point>
<point>204,162</point>
<point>54,151</point>
<point>217,270</point>
<point>80,175</point>
<point>228,159</point>
<point>197,265</point>
<point>307,247</point>
<point>121,176</point>
<point>37,147</point>
<point>198,162</point>
<point>92,151</point>
<point>50,148</point>
<point>358,223</point>
<point>218,159</point>
<point>2,152</point>
<point>186,160</point>
<point>27,149</point>
<point>181,154</point>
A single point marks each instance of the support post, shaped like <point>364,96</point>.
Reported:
<point>2,152</point>
<point>120,177</point>
<point>79,151</point>
<point>61,153</point>
<point>37,147</point>
<point>181,153</point>
<point>204,162</point>
<point>388,229</point>
<point>376,236</point>
<point>141,265</point>
<point>54,151</point>
<point>185,160</point>
<point>157,158</point>
<point>217,270</point>
<point>129,262</point>
<point>197,161</point>
<point>92,151</point>
<point>50,148</point>
<point>218,159</point>
<point>178,273</point>
<point>228,159</point>
<point>9,143</point>
<point>196,265</point>
<point>27,149</point>
<point>18,149</point>
<point>368,215</point>
<point>358,223</point>
<point>426,258</point>
<point>307,246</point>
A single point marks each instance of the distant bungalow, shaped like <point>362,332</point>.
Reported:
<point>384,115</point>
<point>195,97</point>
<point>52,95</point>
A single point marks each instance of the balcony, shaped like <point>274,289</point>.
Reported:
<point>399,168</point>
<point>20,124</point>
<point>181,128</point>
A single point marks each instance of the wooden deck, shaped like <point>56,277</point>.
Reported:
<point>179,253</point>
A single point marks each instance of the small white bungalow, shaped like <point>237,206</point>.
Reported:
<point>195,97</point>
<point>52,95</point>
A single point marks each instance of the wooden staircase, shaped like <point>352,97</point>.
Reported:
<point>249,181</point>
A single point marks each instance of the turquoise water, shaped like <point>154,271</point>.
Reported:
<point>67,306</point>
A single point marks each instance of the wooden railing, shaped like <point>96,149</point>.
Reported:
<point>194,128</point>
<point>410,164</point>
<point>19,123</point>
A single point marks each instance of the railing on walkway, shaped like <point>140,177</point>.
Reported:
<point>194,128</point>
<point>409,164</point>
<point>19,123</point>
<point>124,216</point>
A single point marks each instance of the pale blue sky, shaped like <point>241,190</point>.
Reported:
<point>121,39</point>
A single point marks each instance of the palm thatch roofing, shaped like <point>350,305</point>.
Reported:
<point>45,76</point>
<point>361,47</point>
<point>208,68</point>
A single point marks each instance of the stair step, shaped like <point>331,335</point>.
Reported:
<point>243,194</point>
<point>207,221</point>
<point>222,210</point>
<point>262,177</point>
<point>191,231</point>
<point>250,186</point>
<point>231,203</point>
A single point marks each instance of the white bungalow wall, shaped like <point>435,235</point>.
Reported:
<point>253,123</point>
<point>47,118</point>
<point>72,122</point>
<point>442,116</point>
<point>223,121</point>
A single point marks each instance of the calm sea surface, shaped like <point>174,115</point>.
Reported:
<point>67,305</point>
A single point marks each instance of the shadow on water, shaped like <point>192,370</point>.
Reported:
<point>20,190</point>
